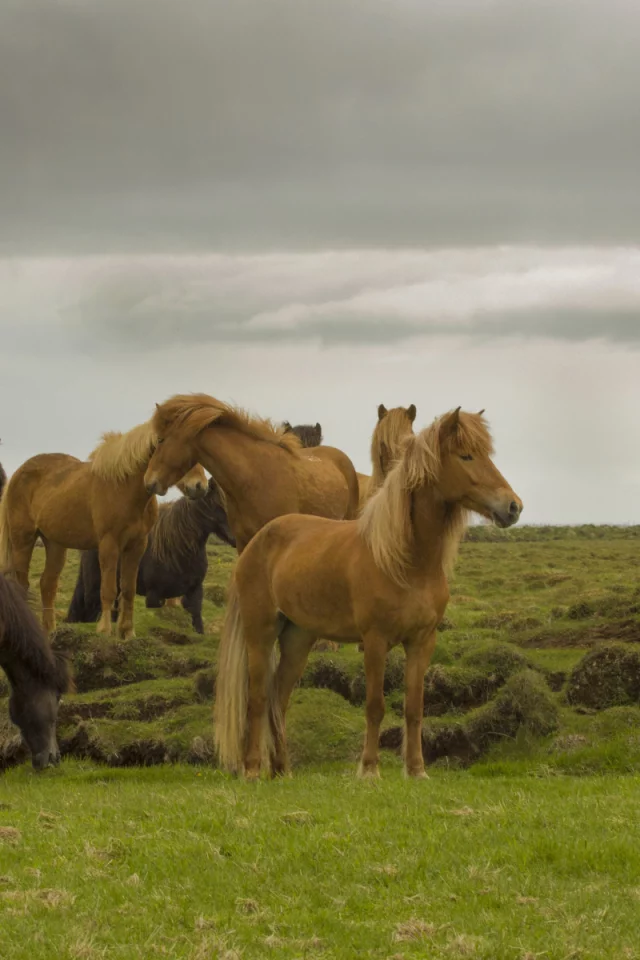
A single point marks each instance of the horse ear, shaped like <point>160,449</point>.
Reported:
<point>451,421</point>
<point>480,412</point>
<point>286,426</point>
<point>382,411</point>
<point>411,411</point>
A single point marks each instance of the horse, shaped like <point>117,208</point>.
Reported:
<point>100,503</point>
<point>381,578</point>
<point>37,676</point>
<point>3,480</point>
<point>262,471</point>
<point>174,563</point>
<point>386,443</point>
<point>308,435</point>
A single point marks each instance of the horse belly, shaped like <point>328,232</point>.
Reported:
<point>67,522</point>
<point>314,594</point>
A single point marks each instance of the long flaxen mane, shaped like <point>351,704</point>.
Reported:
<point>24,638</point>
<point>392,428</point>
<point>385,523</point>
<point>190,414</point>
<point>121,455</point>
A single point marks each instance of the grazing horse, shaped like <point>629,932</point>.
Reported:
<point>262,471</point>
<point>173,565</point>
<point>99,504</point>
<point>307,435</point>
<point>386,445</point>
<point>381,578</point>
<point>37,676</point>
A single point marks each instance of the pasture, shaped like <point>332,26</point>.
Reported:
<point>523,843</point>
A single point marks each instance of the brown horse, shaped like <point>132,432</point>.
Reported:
<point>386,445</point>
<point>262,471</point>
<point>382,578</point>
<point>99,504</point>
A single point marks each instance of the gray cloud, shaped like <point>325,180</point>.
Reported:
<point>151,125</point>
<point>373,296</point>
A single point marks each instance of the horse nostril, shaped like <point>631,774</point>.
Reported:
<point>514,508</point>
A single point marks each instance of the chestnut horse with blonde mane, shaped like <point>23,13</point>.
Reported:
<point>263,471</point>
<point>381,578</point>
<point>80,505</point>
<point>386,446</point>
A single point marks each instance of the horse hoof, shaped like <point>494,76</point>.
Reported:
<point>368,773</point>
<point>416,774</point>
<point>252,775</point>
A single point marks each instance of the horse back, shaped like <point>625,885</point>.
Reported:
<point>333,475</point>
<point>50,493</point>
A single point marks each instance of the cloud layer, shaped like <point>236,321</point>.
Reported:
<point>360,297</point>
<point>154,125</point>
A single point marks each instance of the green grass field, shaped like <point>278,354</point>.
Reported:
<point>522,844</point>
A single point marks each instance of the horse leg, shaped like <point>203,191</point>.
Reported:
<point>192,603</point>
<point>295,647</point>
<point>22,543</point>
<point>260,644</point>
<point>108,554</point>
<point>375,655</point>
<point>419,654</point>
<point>129,563</point>
<point>54,563</point>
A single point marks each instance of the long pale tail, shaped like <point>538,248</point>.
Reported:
<point>6,553</point>
<point>232,693</point>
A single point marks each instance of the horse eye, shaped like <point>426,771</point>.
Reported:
<point>160,439</point>
<point>466,456</point>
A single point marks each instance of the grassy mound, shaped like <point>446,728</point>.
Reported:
<point>606,677</point>
<point>525,703</point>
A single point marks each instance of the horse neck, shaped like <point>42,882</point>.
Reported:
<point>204,514</point>
<point>234,459</point>
<point>437,528</point>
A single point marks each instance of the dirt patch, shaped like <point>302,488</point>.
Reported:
<point>216,594</point>
<point>204,684</point>
<point>606,677</point>
<point>627,631</point>
<point>173,637</point>
<point>326,673</point>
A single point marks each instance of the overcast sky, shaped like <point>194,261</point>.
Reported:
<point>311,208</point>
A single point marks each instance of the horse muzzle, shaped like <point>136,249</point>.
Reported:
<point>154,486</point>
<point>506,515</point>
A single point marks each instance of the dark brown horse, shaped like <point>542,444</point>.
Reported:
<point>308,435</point>
<point>37,676</point>
<point>173,565</point>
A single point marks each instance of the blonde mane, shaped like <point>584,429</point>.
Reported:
<point>192,413</point>
<point>121,455</point>
<point>386,522</point>
<point>387,442</point>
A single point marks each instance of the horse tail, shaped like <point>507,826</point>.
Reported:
<point>6,552</point>
<point>232,692</point>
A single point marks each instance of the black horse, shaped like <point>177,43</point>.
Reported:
<point>308,435</point>
<point>174,563</point>
<point>37,676</point>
